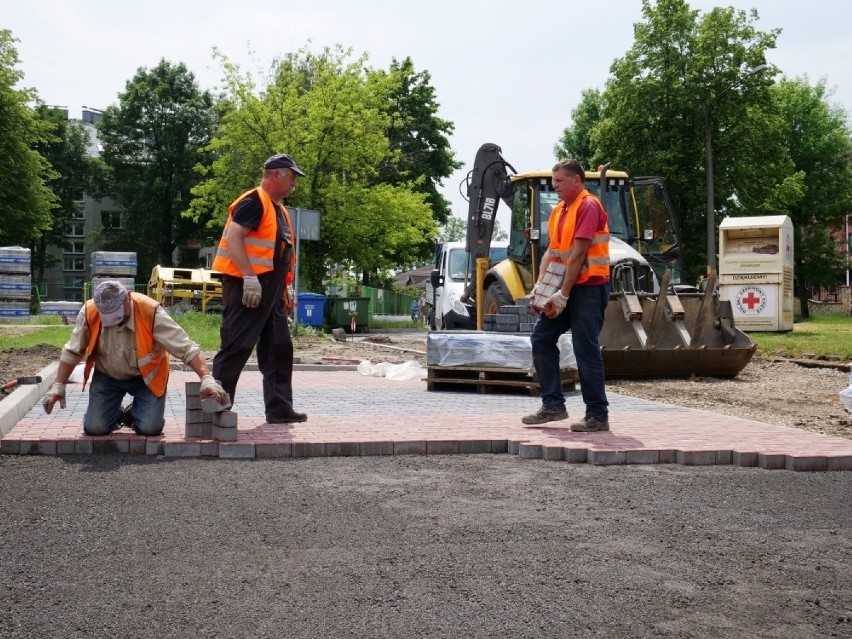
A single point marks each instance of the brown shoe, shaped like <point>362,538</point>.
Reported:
<point>590,425</point>
<point>544,415</point>
<point>288,419</point>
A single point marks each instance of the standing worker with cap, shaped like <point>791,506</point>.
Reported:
<point>257,256</point>
<point>127,338</point>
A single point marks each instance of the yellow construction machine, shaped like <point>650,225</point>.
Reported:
<point>655,326</point>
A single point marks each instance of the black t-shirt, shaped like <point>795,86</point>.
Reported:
<point>249,212</point>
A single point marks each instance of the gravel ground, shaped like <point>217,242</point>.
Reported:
<point>475,546</point>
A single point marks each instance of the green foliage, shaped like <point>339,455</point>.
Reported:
<point>682,68</point>
<point>66,150</point>
<point>576,139</point>
<point>331,114</point>
<point>417,137</point>
<point>25,198</point>
<point>819,141</point>
<point>453,230</point>
<point>152,141</point>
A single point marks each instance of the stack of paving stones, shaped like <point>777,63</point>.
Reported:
<point>512,318</point>
<point>15,283</point>
<point>113,265</point>
<point>205,417</point>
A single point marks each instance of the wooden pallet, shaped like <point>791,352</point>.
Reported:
<point>491,380</point>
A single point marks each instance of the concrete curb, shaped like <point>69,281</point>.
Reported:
<point>18,403</point>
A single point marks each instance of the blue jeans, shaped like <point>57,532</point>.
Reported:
<point>105,395</point>
<point>584,317</point>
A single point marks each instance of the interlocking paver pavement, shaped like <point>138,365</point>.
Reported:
<point>353,414</point>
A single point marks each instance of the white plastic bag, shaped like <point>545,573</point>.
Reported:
<point>366,367</point>
<point>405,371</point>
<point>846,395</point>
<point>397,372</point>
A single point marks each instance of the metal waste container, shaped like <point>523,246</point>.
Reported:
<point>348,312</point>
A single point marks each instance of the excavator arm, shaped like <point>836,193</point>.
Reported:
<point>488,183</point>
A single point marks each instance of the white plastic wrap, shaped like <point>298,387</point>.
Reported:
<point>846,395</point>
<point>487,349</point>
<point>397,372</point>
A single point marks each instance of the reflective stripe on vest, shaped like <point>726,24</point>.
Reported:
<point>151,358</point>
<point>561,248</point>
<point>259,244</point>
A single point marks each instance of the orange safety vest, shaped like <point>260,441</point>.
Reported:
<point>561,244</point>
<point>152,359</point>
<point>259,244</point>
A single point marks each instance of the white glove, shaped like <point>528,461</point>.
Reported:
<point>555,304</point>
<point>535,290</point>
<point>211,388</point>
<point>252,293</point>
<point>55,394</point>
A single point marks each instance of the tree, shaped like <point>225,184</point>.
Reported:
<point>819,140</point>
<point>25,199</point>
<point>417,137</point>
<point>152,142</point>
<point>329,112</point>
<point>680,65</point>
<point>576,138</point>
<point>66,151</point>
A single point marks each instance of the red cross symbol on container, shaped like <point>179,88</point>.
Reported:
<point>751,300</point>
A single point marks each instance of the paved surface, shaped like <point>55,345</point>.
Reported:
<point>353,414</point>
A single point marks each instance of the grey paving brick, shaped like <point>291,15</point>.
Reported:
<point>223,434</point>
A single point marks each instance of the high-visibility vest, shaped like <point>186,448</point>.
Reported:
<point>560,227</point>
<point>151,358</point>
<point>259,244</point>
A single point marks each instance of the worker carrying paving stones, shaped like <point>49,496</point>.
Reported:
<point>127,338</point>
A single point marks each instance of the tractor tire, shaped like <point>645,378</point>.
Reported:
<point>495,297</point>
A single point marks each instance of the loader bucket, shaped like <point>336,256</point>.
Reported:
<point>649,336</point>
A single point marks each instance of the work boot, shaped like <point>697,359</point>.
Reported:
<point>590,425</point>
<point>544,415</point>
<point>288,419</point>
<point>125,417</point>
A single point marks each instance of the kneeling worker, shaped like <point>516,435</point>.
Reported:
<point>127,337</point>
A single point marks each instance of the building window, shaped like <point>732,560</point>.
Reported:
<point>72,263</point>
<point>75,229</point>
<point>111,220</point>
<point>80,212</point>
<point>74,246</point>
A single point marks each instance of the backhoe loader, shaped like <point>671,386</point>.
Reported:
<point>656,325</point>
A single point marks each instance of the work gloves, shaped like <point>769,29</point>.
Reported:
<point>555,304</point>
<point>211,388</point>
<point>56,393</point>
<point>252,293</point>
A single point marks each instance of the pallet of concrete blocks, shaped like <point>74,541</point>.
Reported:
<point>15,283</point>
<point>207,418</point>
<point>114,264</point>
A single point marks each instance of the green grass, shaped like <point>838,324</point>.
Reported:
<point>821,336</point>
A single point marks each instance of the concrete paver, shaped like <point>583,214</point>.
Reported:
<point>353,414</point>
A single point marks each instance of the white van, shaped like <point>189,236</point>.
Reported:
<point>447,284</point>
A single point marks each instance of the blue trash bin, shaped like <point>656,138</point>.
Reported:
<point>310,309</point>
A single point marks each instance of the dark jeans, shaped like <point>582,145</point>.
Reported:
<point>105,395</point>
<point>267,327</point>
<point>583,316</point>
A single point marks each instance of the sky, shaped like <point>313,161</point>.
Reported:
<point>503,72</point>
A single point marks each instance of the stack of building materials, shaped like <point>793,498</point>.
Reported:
<point>489,362</point>
<point>15,283</point>
<point>68,310</point>
<point>114,265</point>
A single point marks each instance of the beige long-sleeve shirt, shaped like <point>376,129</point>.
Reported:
<point>115,353</point>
